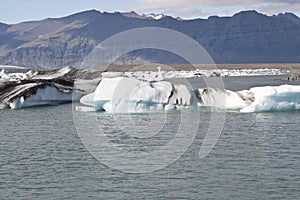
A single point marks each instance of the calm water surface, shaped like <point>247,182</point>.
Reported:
<point>256,157</point>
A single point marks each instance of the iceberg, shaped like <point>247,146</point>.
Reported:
<point>35,94</point>
<point>37,88</point>
<point>122,94</point>
<point>43,96</point>
<point>182,96</point>
<point>224,99</point>
<point>126,95</point>
<point>280,98</point>
<point>29,93</point>
<point>257,99</point>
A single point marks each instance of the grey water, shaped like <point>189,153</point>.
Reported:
<point>257,156</point>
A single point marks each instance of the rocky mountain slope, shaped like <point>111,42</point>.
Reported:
<point>246,37</point>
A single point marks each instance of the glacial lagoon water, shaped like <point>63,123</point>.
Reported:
<point>256,157</point>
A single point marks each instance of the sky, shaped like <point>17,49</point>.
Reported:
<point>15,11</point>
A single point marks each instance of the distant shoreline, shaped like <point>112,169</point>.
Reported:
<point>293,67</point>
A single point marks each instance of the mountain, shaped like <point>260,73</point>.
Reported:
<point>246,37</point>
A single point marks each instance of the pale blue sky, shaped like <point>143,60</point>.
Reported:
<point>13,11</point>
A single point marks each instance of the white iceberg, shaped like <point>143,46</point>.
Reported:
<point>126,95</point>
<point>257,99</point>
<point>280,98</point>
<point>123,95</point>
<point>224,99</point>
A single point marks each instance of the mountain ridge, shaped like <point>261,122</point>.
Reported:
<point>246,37</point>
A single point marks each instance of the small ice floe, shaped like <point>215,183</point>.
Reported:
<point>6,76</point>
<point>85,109</point>
<point>253,72</point>
<point>162,75</point>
